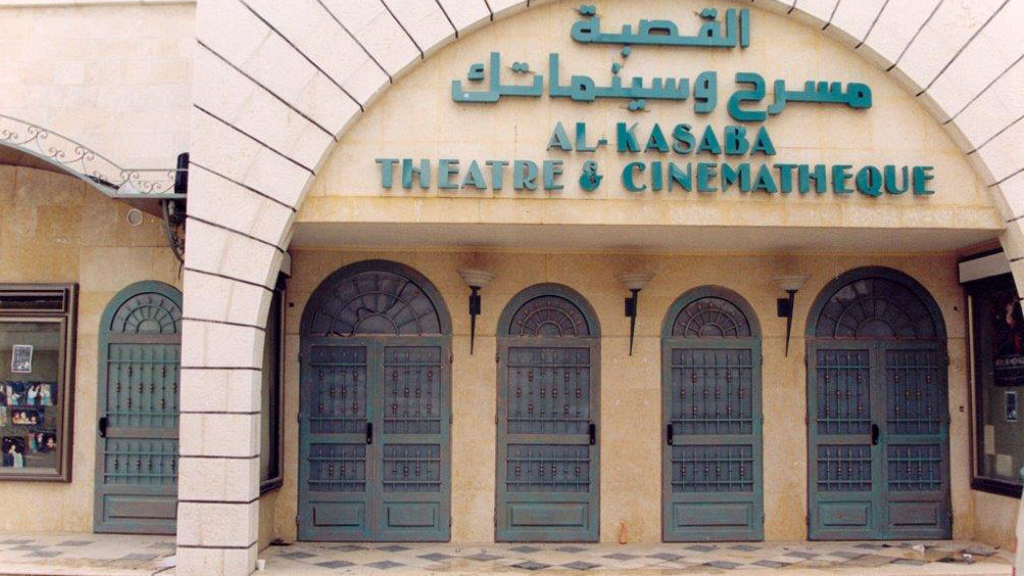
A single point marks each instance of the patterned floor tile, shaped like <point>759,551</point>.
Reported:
<point>42,554</point>
<point>744,548</point>
<point>78,543</point>
<point>436,556</point>
<point>665,556</point>
<point>725,565</point>
<point>138,557</point>
<point>393,548</point>
<point>701,548</point>
<point>525,549</point>
<point>484,557</point>
<point>335,564</point>
<point>297,555</point>
<point>531,565</point>
<point>621,556</point>
<point>580,565</point>
<point>571,549</point>
<point>804,555</point>
<point>384,564</point>
<point>348,547</point>
<point>770,564</point>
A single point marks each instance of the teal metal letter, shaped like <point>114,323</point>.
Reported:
<point>705,172</point>
<point>730,175</point>
<point>922,174</point>
<point>684,139</point>
<point>474,177</point>
<point>785,177</point>
<point>409,170</point>
<point>840,176</point>
<point>765,182</point>
<point>552,170</point>
<point>804,176</point>
<point>524,175</point>
<point>446,168</point>
<point>559,139</point>
<point>736,143</point>
<point>709,142</point>
<point>755,94</point>
<point>889,174</point>
<point>677,176</point>
<point>497,173</point>
<point>581,138</point>
<point>763,143</point>
<point>869,181</point>
<point>387,167</point>
<point>657,140</point>
<point>626,141</point>
<point>627,176</point>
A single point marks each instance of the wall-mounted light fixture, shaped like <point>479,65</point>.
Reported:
<point>475,279</point>
<point>634,282</point>
<point>790,285</point>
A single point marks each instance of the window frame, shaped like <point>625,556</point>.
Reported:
<point>277,480</point>
<point>973,290</point>
<point>67,319</point>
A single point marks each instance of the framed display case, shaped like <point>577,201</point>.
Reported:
<point>997,351</point>
<point>37,352</point>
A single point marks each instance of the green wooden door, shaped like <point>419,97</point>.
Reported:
<point>375,409</point>
<point>712,465</point>
<point>878,419</point>
<point>137,433</point>
<point>548,455</point>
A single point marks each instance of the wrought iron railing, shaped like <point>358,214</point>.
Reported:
<point>87,164</point>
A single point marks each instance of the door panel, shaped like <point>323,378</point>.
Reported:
<point>137,444</point>
<point>876,478</point>
<point>712,406</point>
<point>547,456</point>
<point>915,439</point>
<point>374,440</point>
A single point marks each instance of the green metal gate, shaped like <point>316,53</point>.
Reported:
<point>137,433</point>
<point>878,417</point>
<point>375,408</point>
<point>548,406</point>
<point>711,373</point>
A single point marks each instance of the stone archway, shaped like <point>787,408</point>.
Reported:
<point>272,96</point>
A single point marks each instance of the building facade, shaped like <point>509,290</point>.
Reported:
<point>411,229</point>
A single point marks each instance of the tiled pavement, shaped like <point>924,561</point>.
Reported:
<point>116,555</point>
<point>851,558</point>
<point>85,554</point>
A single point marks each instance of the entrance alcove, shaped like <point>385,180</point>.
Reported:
<point>348,214</point>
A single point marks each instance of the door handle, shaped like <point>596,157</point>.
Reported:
<point>593,434</point>
<point>875,433</point>
<point>103,427</point>
<point>669,433</point>
<point>369,432</point>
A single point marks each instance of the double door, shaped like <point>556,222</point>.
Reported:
<point>374,432</point>
<point>878,440</point>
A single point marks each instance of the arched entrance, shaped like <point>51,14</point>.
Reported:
<point>711,405</point>
<point>548,410</point>
<point>137,432</point>
<point>878,420</point>
<point>375,408</point>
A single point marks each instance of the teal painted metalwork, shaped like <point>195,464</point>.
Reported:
<point>375,408</point>
<point>877,410</point>
<point>712,484</point>
<point>137,432</point>
<point>548,455</point>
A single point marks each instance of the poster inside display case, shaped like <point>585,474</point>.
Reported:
<point>997,334</point>
<point>36,357</point>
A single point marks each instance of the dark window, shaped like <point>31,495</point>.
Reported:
<point>270,432</point>
<point>997,337</point>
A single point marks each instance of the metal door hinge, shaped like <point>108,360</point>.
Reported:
<point>296,521</point>
<point>298,418</point>
<point>451,419</point>
<point>451,358</point>
<point>762,518</point>
<point>497,357</point>
<point>449,521</point>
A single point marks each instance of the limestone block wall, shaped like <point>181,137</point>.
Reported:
<point>114,75</point>
<point>55,228</point>
<point>631,386</point>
